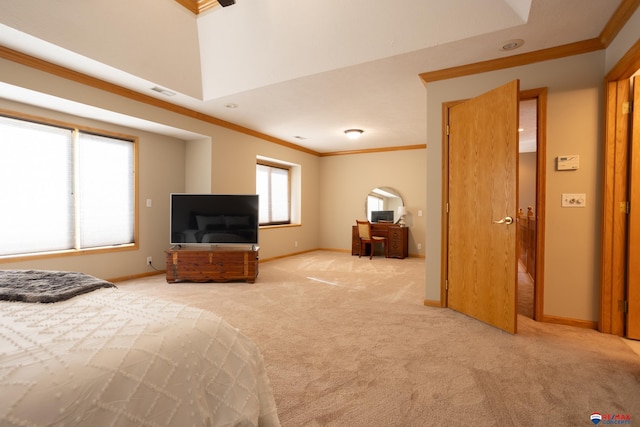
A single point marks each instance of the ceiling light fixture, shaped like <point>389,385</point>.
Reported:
<point>353,133</point>
<point>231,105</point>
<point>512,44</point>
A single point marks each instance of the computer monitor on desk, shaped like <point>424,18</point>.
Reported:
<point>382,216</point>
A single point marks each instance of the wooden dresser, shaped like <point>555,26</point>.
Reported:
<point>218,264</point>
<point>397,239</point>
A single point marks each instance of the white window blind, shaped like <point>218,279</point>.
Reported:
<point>105,193</point>
<point>60,196</point>
<point>36,183</point>
<point>272,185</point>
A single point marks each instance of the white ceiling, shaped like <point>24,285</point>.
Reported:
<point>294,68</point>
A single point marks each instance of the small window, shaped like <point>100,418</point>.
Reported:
<point>64,189</point>
<point>273,185</point>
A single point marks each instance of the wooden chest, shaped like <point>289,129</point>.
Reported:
<point>214,265</point>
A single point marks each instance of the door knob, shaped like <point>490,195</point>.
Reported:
<point>506,220</point>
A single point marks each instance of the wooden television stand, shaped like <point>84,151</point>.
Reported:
<point>216,264</point>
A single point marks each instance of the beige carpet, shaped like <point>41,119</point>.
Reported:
<point>348,342</point>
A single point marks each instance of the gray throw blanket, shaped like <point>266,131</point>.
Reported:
<point>46,286</point>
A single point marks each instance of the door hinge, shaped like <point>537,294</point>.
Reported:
<point>625,207</point>
<point>447,130</point>
<point>447,207</point>
<point>627,107</point>
<point>623,306</point>
<point>446,284</point>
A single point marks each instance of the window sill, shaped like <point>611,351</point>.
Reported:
<point>70,252</point>
<point>269,227</point>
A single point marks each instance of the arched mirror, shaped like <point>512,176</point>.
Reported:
<point>382,204</point>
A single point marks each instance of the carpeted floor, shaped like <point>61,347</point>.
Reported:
<point>348,342</point>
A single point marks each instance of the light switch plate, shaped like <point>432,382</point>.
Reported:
<point>574,200</point>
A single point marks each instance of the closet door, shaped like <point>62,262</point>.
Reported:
<point>633,260</point>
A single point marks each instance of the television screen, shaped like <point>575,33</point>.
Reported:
<point>381,216</point>
<point>214,218</point>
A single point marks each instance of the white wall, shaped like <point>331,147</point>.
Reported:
<point>198,166</point>
<point>144,38</point>
<point>574,126</point>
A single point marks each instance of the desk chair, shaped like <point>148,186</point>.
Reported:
<point>364,234</point>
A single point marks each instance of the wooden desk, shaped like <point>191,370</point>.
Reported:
<point>397,239</point>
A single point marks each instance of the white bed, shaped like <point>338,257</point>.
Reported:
<point>109,357</point>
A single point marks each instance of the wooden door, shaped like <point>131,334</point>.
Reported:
<point>482,190</point>
<point>633,258</point>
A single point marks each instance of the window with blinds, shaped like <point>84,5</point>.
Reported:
<point>63,188</point>
<point>273,187</point>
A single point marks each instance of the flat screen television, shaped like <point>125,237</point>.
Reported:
<point>210,219</point>
<point>381,216</point>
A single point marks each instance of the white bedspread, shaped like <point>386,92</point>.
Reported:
<point>114,358</point>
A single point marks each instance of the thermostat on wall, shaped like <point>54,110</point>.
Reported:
<point>568,163</point>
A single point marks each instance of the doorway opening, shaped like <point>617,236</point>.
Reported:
<point>527,206</point>
<point>527,221</point>
<point>531,200</point>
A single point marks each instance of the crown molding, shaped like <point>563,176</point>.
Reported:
<point>69,74</point>
<point>198,6</point>
<point>375,150</point>
<point>619,18</point>
<point>513,61</point>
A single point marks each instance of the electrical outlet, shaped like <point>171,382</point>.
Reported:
<point>149,260</point>
<point>419,246</point>
<point>295,244</point>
